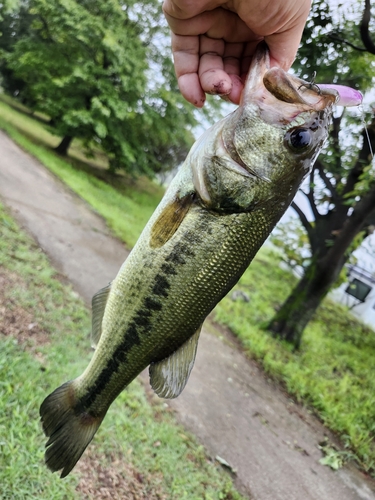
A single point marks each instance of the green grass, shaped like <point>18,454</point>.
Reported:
<point>334,369</point>
<point>176,466</point>
<point>125,203</point>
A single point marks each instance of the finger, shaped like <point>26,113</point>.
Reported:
<point>185,51</point>
<point>247,56</point>
<point>284,42</point>
<point>283,48</point>
<point>218,23</point>
<point>232,66</point>
<point>186,10</point>
<point>190,88</point>
<point>237,88</point>
<point>213,78</point>
<point>232,57</point>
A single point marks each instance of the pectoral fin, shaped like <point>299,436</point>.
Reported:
<point>170,220</point>
<point>99,301</point>
<point>169,376</point>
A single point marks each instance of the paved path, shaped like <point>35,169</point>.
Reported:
<point>228,403</point>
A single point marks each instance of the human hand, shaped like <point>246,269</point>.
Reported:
<point>213,41</point>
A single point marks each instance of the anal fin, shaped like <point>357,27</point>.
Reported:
<point>169,376</point>
<point>99,302</point>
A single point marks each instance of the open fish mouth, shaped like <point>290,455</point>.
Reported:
<point>286,94</point>
<point>288,88</point>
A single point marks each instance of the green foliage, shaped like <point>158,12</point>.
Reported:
<point>22,474</point>
<point>144,435</point>
<point>292,241</point>
<point>87,65</point>
<point>7,7</point>
<point>325,47</point>
<point>126,205</point>
<point>294,248</point>
<point>332,371</point>
<point>333,457</point>
<point>331,44</point>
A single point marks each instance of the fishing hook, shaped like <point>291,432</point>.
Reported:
<point>311,85</point>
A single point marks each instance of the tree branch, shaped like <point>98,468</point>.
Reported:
<point>334,36</point>
<point>304,221</point>
<point>369,224</point>
<point>334,135</point>
<point>364,28</point>
<point>364,159</point>
<point>363,210</point>
<point>310,195</point>
<point>327,182</point>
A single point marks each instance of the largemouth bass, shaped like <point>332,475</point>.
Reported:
<point>235,184</point>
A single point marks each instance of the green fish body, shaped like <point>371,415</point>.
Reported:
<point>236,183</point>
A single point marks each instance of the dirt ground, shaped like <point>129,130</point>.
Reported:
<point>229,403</point>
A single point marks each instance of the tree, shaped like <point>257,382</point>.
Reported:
<point>87,64</point>
<point>341,187</point>
<point>8,6</point>
<point>15,21</point>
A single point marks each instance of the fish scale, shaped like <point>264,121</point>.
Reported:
<point>191,300</point>
<point>233,187</point>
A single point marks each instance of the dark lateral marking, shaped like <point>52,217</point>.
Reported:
<point>179,252</point>
<point>152,304</point>
<point>168,269</point>
<point>141,322</point>
<point>161,285</point>
<point>176,257</point>
<point>142,319</point>
<point>170,220</point>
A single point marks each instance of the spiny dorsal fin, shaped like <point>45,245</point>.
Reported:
<point>99,301</point>
<point>169,220</point>
<point>169,376</point>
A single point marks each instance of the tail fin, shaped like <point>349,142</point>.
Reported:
<point>69,430</point>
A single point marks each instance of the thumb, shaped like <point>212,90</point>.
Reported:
<point>283,47</point>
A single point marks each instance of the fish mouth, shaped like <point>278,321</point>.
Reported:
<point>262,82</point>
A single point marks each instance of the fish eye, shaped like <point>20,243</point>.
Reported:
<point>299,139</point>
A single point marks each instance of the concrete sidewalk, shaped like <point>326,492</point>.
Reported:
<point>228,403</point>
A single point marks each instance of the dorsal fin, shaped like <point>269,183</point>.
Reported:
<point>169,376</point>
<point>99,301</point>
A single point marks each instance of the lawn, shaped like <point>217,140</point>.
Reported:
<point>139,452</point>
<point>332,372</point>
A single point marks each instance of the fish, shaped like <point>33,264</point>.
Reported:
<point>235,184</point>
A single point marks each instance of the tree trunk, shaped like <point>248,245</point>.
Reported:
<point>296,312</point>
<point>339,232</point>
<point>62,148</point>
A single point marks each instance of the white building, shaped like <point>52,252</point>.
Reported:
<point>358,294</point>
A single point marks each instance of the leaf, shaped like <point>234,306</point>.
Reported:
<point>223,462</point>
<point>333,460</point>
<point>100,129</point>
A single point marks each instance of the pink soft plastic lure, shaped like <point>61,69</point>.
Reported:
<point>347,95</point>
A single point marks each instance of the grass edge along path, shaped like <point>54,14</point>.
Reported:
<point>125,210</point>
<point>144,434</point>
<point>333,372</point>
